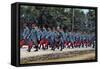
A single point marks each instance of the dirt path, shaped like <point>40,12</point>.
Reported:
<point>79,57</point>
<point>89,56</point>
<point>25,54</point>
<point>69,55</point>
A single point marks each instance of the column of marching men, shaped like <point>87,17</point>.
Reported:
<point>54,38</point>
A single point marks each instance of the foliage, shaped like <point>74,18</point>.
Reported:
<point>71,18</point>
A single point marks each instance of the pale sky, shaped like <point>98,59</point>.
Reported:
<point>85,10</point>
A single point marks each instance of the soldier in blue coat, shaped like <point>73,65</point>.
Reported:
<point>25,32</point>
<point>82,38</point>
<point>67,34</point>
<point>51,37</point>
<point>63,38</point>
<point>33,38</point>
<point>66,38</point>
<point>71,39</point>
<point>44,33</point>
<point>93,39</point>
<point>44,41</point>
<point>24,35</point>
<point>77,39</point>
<point>39,34</point>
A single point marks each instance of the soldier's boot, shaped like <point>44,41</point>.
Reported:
<point>47,47</point>
<point>61,49</point>
<point>29,50</point>
<point>36,48</point>
<point>39,46</point>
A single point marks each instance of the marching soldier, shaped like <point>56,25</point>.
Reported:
<point>25,33</point>
<point>33,38</point>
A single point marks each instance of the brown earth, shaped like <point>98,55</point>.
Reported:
<point>58,57</point>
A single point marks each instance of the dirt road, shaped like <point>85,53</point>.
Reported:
<point>24,53</point>
<point>42,56</point>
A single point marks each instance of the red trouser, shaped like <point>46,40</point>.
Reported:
<point>44,41</point>
<point>77,43</point>
<point>68,43</point>
<point>30,44</point>
<point>22,42</point>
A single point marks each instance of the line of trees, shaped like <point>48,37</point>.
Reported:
<point>70,18</point>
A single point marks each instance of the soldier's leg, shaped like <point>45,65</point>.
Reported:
<point>39,46</point>
<point>36,48</point>
<point>62,46</point>
<point>29,49</point>
<point>30,46</point>
<point>46,44</point>
<point>72,45</point>
<point>22,42</point>
<point>36,45</point>
<point>51,44</point>
<point>94,44</point>
<point>58,45</point>
<point>83,43</point>
<point>68,46</point>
